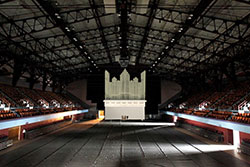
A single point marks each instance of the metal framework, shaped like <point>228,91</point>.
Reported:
<point>177,39</point>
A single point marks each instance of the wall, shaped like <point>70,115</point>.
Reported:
<point>79,89</point>
<point>228,134</point>
<point>168,89</point>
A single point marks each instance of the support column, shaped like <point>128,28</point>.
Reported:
<point>236,138</point>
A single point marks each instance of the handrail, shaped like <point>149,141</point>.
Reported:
<point>4,124</point>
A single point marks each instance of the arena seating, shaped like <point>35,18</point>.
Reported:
<point>228,98</point>
<point>241,117</point>
<point>13,93</point>
<point>224,115</point>
<point>24,102</point>
<point>5,114</point>
<point>201,113</point>
<point>220,114</point>
<point>32,95</point>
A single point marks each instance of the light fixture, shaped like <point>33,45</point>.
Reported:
<point>172,40</point>
<point>159,58</point>
<point>166,47</point>
<point>94,64</point>
<point>80,47</point>
<point>88,57</point>
<point>74,39</point>
<point>180,29</point>
<point>153,65</point>
<point>85,53</point>
<point>190,16</point>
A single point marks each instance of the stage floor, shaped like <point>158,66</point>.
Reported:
<point>113,144</point>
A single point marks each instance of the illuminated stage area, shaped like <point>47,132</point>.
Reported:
<point>120,144</point>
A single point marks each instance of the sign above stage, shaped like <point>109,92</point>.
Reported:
<point>125,88</point>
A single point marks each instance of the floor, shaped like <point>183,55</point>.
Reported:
<point>113,144</point>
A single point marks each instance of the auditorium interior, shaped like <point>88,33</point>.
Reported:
<point>125,83</point>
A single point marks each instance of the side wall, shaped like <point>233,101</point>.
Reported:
<point>168,90</point>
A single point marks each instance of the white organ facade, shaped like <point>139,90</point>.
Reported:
<point>125,98</point>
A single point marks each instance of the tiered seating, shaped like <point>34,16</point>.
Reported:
<point>50,99</point>
<point>197,99</point>
<point>5,102</point>
<point>214,98</point>
<point>4,114</point>
<point>234,95</point>
<point>242,117</point>
<point>14,94</point>
<point>188,111</point>
<point>34,96</point>
<point>61,99</point>
<point>27,112</point>
<point>201,113</point>
<point>220,114</point>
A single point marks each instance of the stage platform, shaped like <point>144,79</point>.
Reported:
<point>114,144</point>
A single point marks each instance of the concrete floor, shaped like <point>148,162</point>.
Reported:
<point>108,144</point>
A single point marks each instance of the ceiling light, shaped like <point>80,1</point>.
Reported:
<point>80,47</point>
<point>166,47</point>
<point>74,39</point>
<point>85,53</point>
<point>88,57</point>
<point>159,58</point>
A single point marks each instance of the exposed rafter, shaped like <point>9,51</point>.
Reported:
<point>152,13</point>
